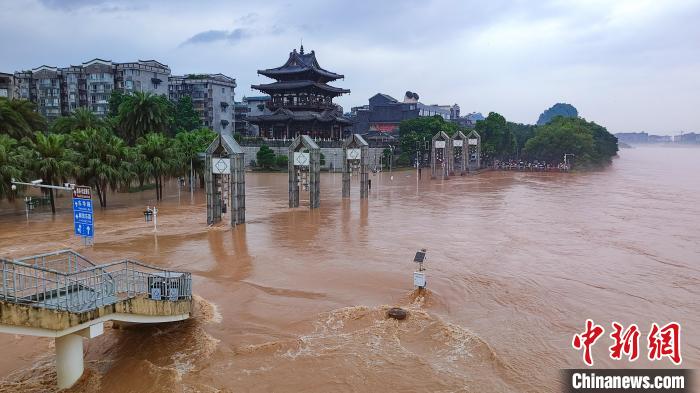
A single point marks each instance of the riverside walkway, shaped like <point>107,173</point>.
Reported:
<point>66,296</point>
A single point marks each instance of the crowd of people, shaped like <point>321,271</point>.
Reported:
<point>520,165</point>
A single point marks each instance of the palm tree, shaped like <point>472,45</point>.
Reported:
<point>158,154</point>
<point>188,146</point>
<point>101,156</point>
<point>141,113</point>
<point>52,160</point>
<point>10,165</point>
<point>19,119</point>
<point>81,119</point>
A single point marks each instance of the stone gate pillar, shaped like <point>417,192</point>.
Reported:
<point>224,178</point>
<point>304,157</point>
<point>441,155</point>
<point>459,152</point>
<point>474,149</point>
<point>356,156</point>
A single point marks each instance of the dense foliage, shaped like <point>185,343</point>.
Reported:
<point>497,139</point>
<point>559,109</point>
<point>110,154</point>
<point>591,144</point>
<point>414,134</point>
<point>19,119</point>
<point>265,157</point>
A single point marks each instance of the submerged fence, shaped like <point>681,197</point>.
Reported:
<point>65,280</point>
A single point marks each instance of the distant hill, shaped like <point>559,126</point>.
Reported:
<point>559,109</point>
<point>475,116</point>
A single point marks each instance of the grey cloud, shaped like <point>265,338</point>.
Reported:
<point>99,6</point>
<point>208,36</point>
<point>70,5</point>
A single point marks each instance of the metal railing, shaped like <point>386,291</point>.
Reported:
<point>66,280</point>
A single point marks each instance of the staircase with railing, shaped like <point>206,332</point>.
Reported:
<point>67,281</point>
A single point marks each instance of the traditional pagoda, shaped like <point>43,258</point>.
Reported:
<point>301,100</point>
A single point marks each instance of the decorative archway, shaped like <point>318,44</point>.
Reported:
<point>459,152</point>
<point>474,149</point>
<point>304,170</point>
<point>224,177</point>
<point>441,162</point>
<point>356,159</point>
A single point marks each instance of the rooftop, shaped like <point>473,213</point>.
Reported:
<point>298,85</point>
<point>298,63</point>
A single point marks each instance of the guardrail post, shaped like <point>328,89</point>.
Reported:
<point>14,282</point>
<point>4,279</point>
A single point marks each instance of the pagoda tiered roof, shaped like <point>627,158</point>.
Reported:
<point>283,115</point>
<point>299,85</point>
<point>299,64</point>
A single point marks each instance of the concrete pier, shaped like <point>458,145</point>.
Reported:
<point>69,360</point>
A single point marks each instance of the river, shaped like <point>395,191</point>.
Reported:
<point>294,300</point>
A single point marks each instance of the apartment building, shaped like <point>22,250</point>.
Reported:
<point>7,85</point>
<point>60,91</point>
<point>212,96</point>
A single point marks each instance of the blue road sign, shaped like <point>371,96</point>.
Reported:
<point>84,229</point>
<point>84,205</point>
<point>82,212</point>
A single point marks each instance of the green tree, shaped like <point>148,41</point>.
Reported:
<point>11,165</point>
<point>497,139</point>
<point>282,161</point>
<point>592,145</point>
<point>115,100</point>
<point>81,119</point>
<point>185,117</point>
<point>101,157</point>
<point>386,156</point>
<point>522,133</point>
<point>52,160</point>
<point>19,119</point>
<point>143,113</point>
<point>265,157</point>
<point>414,133</point>
<point>188,146</point>
<point>158,153</point>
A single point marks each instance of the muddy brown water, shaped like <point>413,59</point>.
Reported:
<point>295,299</point>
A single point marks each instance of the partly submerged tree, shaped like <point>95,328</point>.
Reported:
<point>497,139</point>
<point>158,153</point>
<point>11,165</point>
<point>188,145</point>
<point>265,157</point>
<point>414,132</point>
<point>142,113</point>
<point>19,119</point>
<point>522,133</point>
<point>52,160</point>
<point>80,119</point>
<point>591,144</point>
<point>101,158</point>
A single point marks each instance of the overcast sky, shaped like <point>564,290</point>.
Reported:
<point>628,65</point>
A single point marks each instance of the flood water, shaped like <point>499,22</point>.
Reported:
<point>294,300</point>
